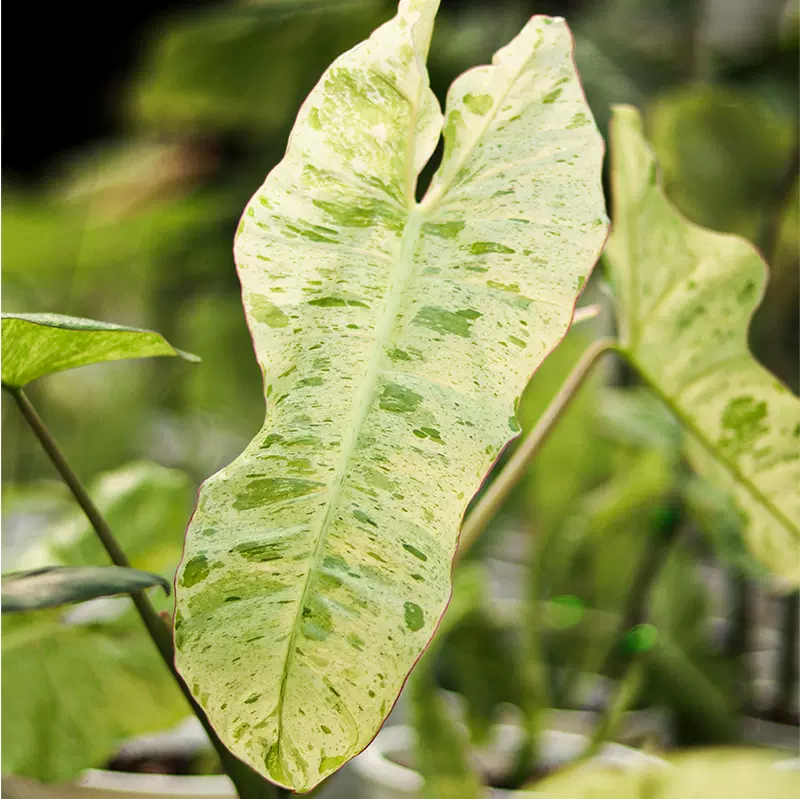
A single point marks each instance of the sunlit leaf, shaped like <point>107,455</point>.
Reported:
<point>395,338</point>
<point>40,344</point>
<point>686,296</point>
<point>52,586</point>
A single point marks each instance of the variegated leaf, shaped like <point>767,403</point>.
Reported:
<point>686,297</point>
<point>394,337</point>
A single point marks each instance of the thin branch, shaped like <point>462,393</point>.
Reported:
<point>497,493</point>
<point>249,784</point>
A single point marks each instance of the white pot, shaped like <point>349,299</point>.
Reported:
<point>770,733</point>
<point>188,737</point>
<point>384,778</point>
<point>649,725</point>
<point>98,784</point>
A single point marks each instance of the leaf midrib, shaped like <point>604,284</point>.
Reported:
<point>417,212</point>
<point>708,445</point>
<point>404,270</point>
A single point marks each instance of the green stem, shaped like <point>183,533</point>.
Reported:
<point>249,784</point>
<point>627,693</point>
<point>497,493</point>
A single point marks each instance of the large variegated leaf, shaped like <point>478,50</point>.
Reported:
<point>686,297</point>
<point>394,337</point>
<point>40,344</point>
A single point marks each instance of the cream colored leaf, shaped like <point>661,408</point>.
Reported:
<point>395,338</point>
<point>686,298</point>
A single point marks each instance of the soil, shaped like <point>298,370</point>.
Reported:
<point>175,765</point>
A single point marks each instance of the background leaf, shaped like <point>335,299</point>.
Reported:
<point>395,338</point>
<point>685,297</point>
<point>39,344</point>
<point>77,682</point>
<point>52,586</point>
<point>704,774</point>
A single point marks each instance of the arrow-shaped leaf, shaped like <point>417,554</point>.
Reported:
<point>686,296</point>
<point>63,585</point>
<point>395,338</point>
<point>40,344</point>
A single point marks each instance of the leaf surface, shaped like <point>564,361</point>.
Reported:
<point>395,338</point>
<point>40,344</point>
<point>686,297</point>
<point>52,586</point>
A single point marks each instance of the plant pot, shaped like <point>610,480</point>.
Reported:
<point>383,777</point>
<point>187,738</point>
<point>99,784</point>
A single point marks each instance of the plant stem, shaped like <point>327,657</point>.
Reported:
<point>497,493</point>
<point>249,784</point>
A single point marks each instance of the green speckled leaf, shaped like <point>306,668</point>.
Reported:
<point>40,344</point>
<point>686,297</point>
<point>395,338</point>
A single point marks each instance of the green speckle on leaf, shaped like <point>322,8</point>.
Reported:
<point>415,552</point>
<point>337,302</point>
<point>268,490</point>
<point>444,230</point>
<point>266,312</point>
<point>482,247</point>
<point>415,619</point>
<point>512,287</point>
<point>309,381</point>
<point>478,103</point>
<point>552,96</point>
<point>441,320</point>
<point>362,517</point>
<point>196,570</point>
<point>398,399</point>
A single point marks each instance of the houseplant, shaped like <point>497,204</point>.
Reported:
<point>224,551</point>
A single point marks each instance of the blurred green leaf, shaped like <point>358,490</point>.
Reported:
<point>78,682</point>
<point>705,774</point>
<point>722,152</point>
<point>52,586</point>
<point>442,750</point>
<point>573,459</point>
<point>246,66</point>
<point>635,418</point>
<point>35,345</point>
<point>72,693</point>
<point>479,660</point>
<point>717,517</point>
<point>686,670</point>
